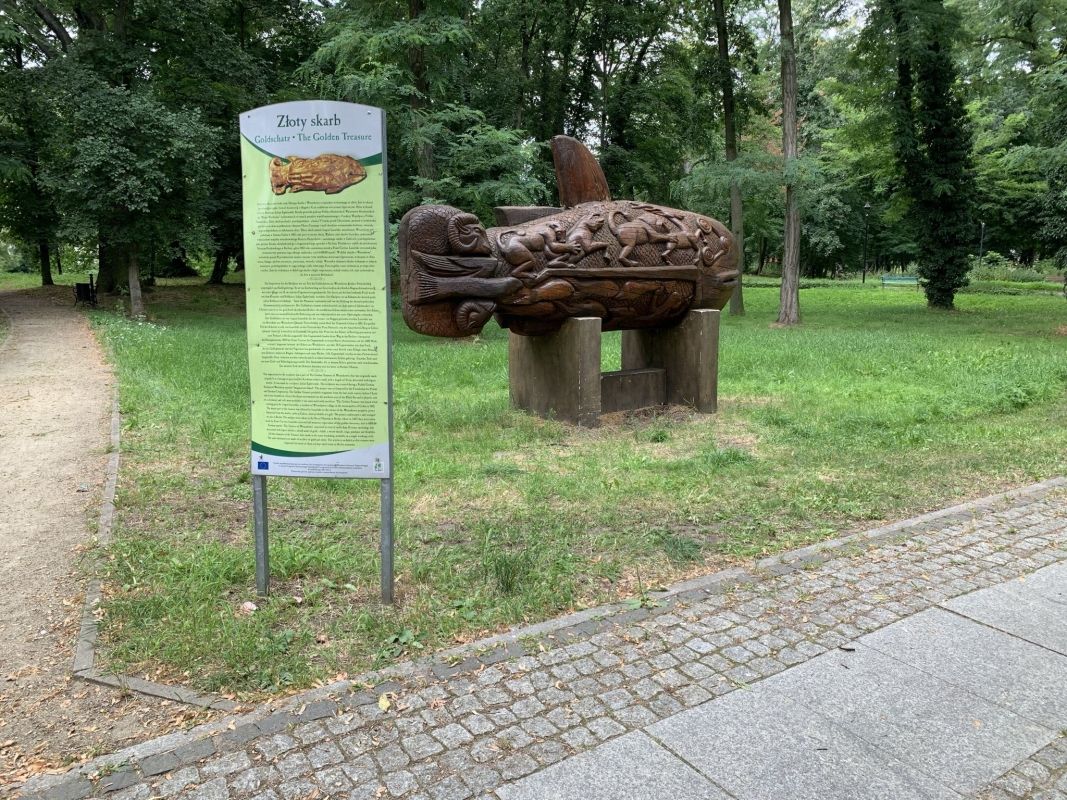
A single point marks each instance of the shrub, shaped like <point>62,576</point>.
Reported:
<point>995,267</point>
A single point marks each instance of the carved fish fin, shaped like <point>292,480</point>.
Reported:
<point>426,289</point>
<point>453,266</point>
<point>579,177</point>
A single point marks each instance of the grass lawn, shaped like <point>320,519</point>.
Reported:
<point>874,409</point>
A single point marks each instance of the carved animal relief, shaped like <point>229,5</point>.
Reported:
<point>326,173</point>
<point>634,265</point>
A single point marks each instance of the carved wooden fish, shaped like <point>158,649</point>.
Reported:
<point>327,173</point>
<point>635,265</point>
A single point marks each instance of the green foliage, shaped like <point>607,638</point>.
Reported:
<point>931,140</point>
<point>995,267</point>
<point>122,163</point>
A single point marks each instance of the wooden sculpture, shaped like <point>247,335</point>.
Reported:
<point>633,265</point>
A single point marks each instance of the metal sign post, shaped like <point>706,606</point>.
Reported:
<point>259,516</point>
<point>316,225</point>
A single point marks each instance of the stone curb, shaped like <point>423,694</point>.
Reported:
<point>183,748</point>
<point>85,648</point>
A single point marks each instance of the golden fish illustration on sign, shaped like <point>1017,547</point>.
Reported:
<point>327,173</point>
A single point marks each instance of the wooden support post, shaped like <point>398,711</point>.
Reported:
<point>689,352</point>
<point>557,376</point>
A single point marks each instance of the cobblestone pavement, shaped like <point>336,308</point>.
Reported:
<point>516,704</point>
<point>1043,776</point>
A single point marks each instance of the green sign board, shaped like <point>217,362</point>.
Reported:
<point>317,282</point>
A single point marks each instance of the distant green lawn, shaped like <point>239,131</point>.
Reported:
<point>876,408</point>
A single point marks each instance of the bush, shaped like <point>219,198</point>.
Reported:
<point>995,267</point>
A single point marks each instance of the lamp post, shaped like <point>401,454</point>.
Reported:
<point>866,214</point>
<point>981,246</point>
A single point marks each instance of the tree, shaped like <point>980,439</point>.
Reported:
<point>737,219</point>
<point>129,170</point>
<point>411,61</point>
<point>789,301</point>
<point>932,143</point>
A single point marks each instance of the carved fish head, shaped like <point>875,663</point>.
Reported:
<point>351,171</point>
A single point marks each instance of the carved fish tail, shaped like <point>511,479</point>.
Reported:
<point>426,288</point>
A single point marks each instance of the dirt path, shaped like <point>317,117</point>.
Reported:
<point>55,408</point>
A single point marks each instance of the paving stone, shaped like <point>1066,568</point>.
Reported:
<point>477,724</point>
<point>605,728</point>
<point>114,781</point>
<point>632,767</point>
<point>752,743</point>
<point>392,758</point>
<point>421,746</point>
<point>73,789</point>
<point>212,790</point>
<point>959,738</point>
<point>324,755</point>
<point>517,766</point>
<point>298,789</point>
<point>252,780</point>
<point>548,752</point>
<point>138,792</point>
<point>310,732</point>
<point>400,783</point>
<point>176,781</point>
<point>233,762</point>
<point>158,764</point>
<point>274,746</point>
<point>539,727</point>
<point>294,765</point>
<point>987,662</point>
<point>1014,609</point>
<point>451,788</point>
<point>360,770</point>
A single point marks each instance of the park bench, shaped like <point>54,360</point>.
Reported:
<point>900,280</point>
<point>85,292</point>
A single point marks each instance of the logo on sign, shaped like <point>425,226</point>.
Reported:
<point>262,465</point>
<point>378,465</point>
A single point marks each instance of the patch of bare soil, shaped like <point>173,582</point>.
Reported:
<point>55,397</point>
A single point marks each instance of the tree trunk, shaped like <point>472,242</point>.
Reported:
<point>112,273</point>
<point>737,219</point>
<point>46,263</point>
<point>59,263</point>
<point>424,155</point>
<point>762,255</point>
<point>218,270</point>
<point>134,270</point>
<point>789,302</point>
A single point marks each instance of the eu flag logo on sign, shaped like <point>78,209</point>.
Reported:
<point>262,465</point>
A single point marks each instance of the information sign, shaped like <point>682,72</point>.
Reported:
<point>317,284</point>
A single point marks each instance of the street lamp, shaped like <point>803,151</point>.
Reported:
<point>866,214</point>
<point>981,246</point>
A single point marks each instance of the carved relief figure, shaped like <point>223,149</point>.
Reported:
<point>580,241</point>
<point>519,246</point>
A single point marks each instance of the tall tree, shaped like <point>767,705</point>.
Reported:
<point>932,143</point>
<point>789,300</point>
<point>737,219</point>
